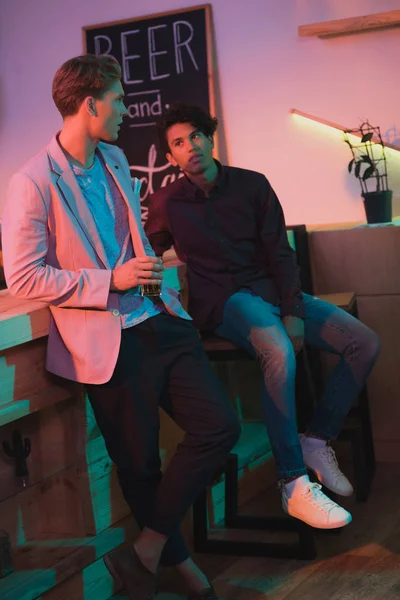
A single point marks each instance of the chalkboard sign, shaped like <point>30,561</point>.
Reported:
<point>164,58</point>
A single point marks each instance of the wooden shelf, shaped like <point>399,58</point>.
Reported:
<point>58,567</point>
<point>12,411</point>
<point>21,321</point>
<point>352,25</point>
<point>294,111</point>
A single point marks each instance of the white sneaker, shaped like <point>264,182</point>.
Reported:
<point>305,501</point>
<point>322,460</point>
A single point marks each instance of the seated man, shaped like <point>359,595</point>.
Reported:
<point>227,225</point>
<point>72,237</point>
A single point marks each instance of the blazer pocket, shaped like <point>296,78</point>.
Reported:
<point>72,326</point>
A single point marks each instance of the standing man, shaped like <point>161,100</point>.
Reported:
<point>228,226</point>
<point>72,237</point>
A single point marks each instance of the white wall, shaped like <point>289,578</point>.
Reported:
<point>264,69</point>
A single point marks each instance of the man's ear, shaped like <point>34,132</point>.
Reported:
<point>171,159</point>
<point>210,137</point>
<point>90,105</point>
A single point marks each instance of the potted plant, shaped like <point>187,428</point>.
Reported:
<point>369,166</point>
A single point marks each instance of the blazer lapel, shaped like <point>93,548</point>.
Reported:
<point>73,197</point>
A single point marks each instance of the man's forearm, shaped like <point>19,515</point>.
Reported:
<point>86,288</point>
<point>170,259</point>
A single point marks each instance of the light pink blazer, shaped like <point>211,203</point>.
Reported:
<point>52,252</point>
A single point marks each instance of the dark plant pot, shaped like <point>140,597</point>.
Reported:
<point>378,206</point>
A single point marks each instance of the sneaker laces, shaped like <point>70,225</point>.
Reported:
<point>319,499</point>
<point>329,457</point>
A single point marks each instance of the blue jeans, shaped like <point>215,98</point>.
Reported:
<point>256,325</point>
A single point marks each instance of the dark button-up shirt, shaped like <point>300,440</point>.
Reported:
<point>235,238</point>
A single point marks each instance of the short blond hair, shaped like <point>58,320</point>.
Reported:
<point>82,76</point>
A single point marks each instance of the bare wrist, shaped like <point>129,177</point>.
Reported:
<point>113,287</point>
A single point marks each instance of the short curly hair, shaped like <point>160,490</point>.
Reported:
<point>179,112</point>
<point>82,76</point>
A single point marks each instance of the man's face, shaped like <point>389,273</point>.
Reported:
<point>109,112</point>
<point>190,149</point>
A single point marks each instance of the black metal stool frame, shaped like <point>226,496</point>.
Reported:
<point>304,549</point>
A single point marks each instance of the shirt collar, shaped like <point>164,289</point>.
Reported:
<point>193,190</point>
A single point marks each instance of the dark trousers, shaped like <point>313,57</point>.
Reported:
<point>162,363</point>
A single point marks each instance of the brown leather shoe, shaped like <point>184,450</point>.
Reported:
<point>128,570</point>
<point>207,594</point>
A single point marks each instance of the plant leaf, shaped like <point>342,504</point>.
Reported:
<point>366,158</point>
<point>357,169</point>
<point>366,137</point>
<point>368,173</point>
<point>350,165</point>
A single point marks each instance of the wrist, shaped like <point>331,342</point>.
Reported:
<point>113,286</point>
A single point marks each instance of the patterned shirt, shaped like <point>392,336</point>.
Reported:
<point>110,215</point>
